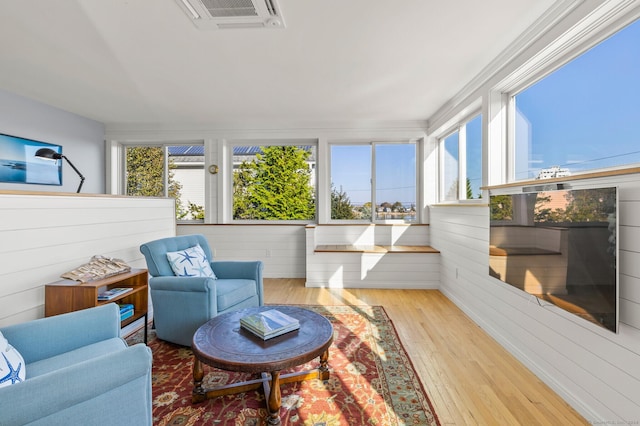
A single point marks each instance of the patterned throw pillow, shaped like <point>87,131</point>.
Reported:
<point>191,262</point>
<point>11,364</point>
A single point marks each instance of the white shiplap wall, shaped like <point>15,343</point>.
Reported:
<point>594,370</point>
<point>370,270</point>
<point>45,235</point>
<point>280,247</point>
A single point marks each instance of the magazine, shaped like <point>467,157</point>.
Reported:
<point>113,293</point>
<point>270,323</point>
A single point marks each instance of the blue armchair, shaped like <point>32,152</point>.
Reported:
<point>182,304</point>
<point>78,371</point>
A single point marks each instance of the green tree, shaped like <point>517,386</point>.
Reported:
<point>469,190</point>
<point>591,206</point>
<point>341,207</point>
<point>242,191</point>
<point>145,175</point>
<point>544,214</point>
<point>386,205</point>
<point>275,186</point>
<point>363,212</point>
<point>196,211</point>
<point>501,207</point>
<point>582,206</point>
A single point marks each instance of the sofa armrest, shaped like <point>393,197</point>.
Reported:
<point>249,270</point>
<point>47,337</point>
<point>188,284</point>
<point>60,390</point>
<point>171,295</point>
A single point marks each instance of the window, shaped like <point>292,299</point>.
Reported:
<point>461,161</point>
<point>274,182</point>
<point>583,116</point>
<point>451,167</point>
<point>175,171</point>
<point>474,158</point>
<point>376,174</point>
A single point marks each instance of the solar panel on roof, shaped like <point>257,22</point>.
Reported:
<point>194,150</point>
<point>186,150</point>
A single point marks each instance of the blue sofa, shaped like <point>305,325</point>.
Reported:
<point>78,372</point>
<point>181,304</point>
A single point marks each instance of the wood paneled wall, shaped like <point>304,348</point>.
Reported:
<point>595,370</point>
<point>44,235</point>
<point>280,247</point>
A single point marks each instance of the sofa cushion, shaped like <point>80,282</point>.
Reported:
<point>190,262</point>
<point>75,356</point>
<point>230,292</point>
<point>12,368</point>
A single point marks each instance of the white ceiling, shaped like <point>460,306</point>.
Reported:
<point>143,61</point>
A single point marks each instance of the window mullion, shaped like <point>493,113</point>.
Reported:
<point>462,162</point>
<point>165,173</point>
<point>373,183</point>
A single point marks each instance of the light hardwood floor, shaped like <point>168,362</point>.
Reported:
<point>470,378</point>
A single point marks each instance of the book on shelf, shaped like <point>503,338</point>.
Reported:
<point>126,311</point>
<point>112,293</point>
<point>126,314</point>
<point>125,306</point>
<point>269,324</point>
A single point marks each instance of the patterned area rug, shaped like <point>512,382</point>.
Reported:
<point>372,382</point>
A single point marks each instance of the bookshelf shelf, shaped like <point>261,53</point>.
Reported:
<point>66,295</point>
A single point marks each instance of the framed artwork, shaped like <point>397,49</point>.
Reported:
<point>20,164</point>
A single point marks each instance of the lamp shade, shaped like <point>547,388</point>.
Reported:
<point>48,153</point>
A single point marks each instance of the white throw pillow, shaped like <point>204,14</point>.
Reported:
<point>191,262</point>
<point>12,368</point>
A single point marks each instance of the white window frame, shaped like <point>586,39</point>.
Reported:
<point>461,128</point>
<point>501,106</point>
<point>118,178</point>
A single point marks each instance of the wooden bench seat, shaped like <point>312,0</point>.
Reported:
<point>341,248</point>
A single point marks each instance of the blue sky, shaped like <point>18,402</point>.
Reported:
<point>395,172</point>
<point>586,114</point>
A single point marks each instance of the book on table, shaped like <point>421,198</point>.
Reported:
<point>270,323</point>
<point>112,293</point>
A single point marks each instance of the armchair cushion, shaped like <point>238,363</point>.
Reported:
<point>231,292</point>
<point>76,356</point>
<point>190,262</point>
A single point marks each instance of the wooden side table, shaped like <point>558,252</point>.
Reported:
<point>67,295</point>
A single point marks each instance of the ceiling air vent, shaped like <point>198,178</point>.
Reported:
<point>224,14</point>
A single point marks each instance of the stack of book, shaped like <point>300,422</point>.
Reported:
<point>126,311</point>
<point>269,324</point>
<point>113,293</point>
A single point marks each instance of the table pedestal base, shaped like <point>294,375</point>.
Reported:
<point>269,381</point>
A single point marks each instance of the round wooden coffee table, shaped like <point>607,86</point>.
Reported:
<point>222,343</point>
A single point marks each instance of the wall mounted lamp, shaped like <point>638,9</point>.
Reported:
<point>52,155</point>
